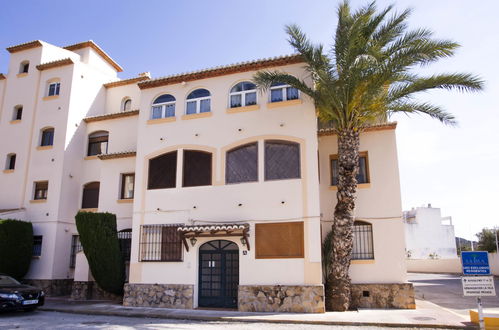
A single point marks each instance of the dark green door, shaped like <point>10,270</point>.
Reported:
<point>218,274</point>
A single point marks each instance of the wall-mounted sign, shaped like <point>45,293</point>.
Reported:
<point>478,286</point>
<point>475,262</point>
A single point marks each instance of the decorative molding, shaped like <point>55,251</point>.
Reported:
<point>98,50</point>
<point>113,115</point>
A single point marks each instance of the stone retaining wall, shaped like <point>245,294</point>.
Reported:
<point>159,295</point>
<point>52,288</point>
<point>398,295</point>
<point>91,291</point>
<point>281,298</point>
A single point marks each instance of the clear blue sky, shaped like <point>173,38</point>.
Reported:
<point>452,168</point>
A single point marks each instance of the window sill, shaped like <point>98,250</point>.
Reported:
<point>88,210</point>
<point>8,171</point>
<point>44,147</point>
<point>125,200</point>
<point>38,201</point>
<point>362,261</point>
<point>161,120</point>
<point>51,97</point>
<point>273,105</point>
<point>243,109</point>
<point>197,115</point>
<point>359,186</point>
<point>22,74</point>
<point>91,157</point>
<point>36,257</point>
<point>15,121</point>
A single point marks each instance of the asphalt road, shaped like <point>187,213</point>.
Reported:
<point>446,291</point>
<point>42,320</point>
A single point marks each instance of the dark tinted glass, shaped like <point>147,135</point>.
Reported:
<point>163,171</point>
<point>282,160</point>
<point>197,168</point>
<point>198,93</point>
<point>90,196</point>
<point>242,164</point>
<point>48,137</point>
<point>243,86</point>
<point>164,98</point>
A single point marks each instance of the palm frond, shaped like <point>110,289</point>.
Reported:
<point>429,109</point>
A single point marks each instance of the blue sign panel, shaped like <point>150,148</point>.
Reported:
<point>475,262</point>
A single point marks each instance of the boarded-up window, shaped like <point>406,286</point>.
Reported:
<point>160,243</point>
<point>279,240</point>
<point>90,196</point>
<point>282,160</point>
<point>197,168</point>
<point>242,164</point>
<point>163,171</point>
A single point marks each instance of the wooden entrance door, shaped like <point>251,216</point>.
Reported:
<point>218,274</point>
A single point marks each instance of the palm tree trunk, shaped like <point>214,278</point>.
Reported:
<point>348,160</point>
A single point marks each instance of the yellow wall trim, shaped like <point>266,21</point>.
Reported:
<point>87,210</point>
<point>22,74</point>
<point>362,262</point>
<point>91,157</point>
<point>44,147</point>
<point>51,97</point>
<point>359,186</point>
<point>38,201</point>
<point>273,105</point>
<point>161,120</point>
<point>197,115</point>
<point>125,200</point>
<point>15,121</point>
<point>8,171</point>
<point>243,109</point>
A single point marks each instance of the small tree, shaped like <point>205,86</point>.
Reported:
<point>16,247</point>
<point>99,239</point>
<point>487,240</point>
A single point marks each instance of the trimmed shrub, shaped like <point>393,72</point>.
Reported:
<point>99,239</point>
<point>16,247</point>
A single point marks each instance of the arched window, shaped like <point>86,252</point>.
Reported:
<point>126,104</point>
<point>198,101</point>
<point>53,87</point>
<point>362,241</point>
<point>282,92</point>
<point>90,198</point>
<point>197,168</point>
<point>282,160</point>
<point>18,112</point>
<point>24,67</point>
<point>242,164</point>
<point>47,138</point>
<point>163,171</point>
<point>243,94</point>
<point>10,163</point>
<point>163,107</point>
<point>97,143</point>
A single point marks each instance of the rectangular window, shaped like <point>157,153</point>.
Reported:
<point>163,171</point>
<point>160,243</point>
<point>97,145</point>
<point>25,68</point>
<point>250,98</point>
<point>41,189</point>
<point>170,110</point>
<point>12,162</point>
<point>157,112</point>
<point>276,95</point>
<point>191,107</point>
<point>362,241</point>
<point>235,101</point>
<point>279,240</point>
<point>362,175</point>
<point>47,137</point>
<point>204,105</point>
<point>54,89</point>
<point>197,168</point>
<point>18,114</point>
<point>75,248</point>
<point>282,160</point>
<point>37,246</point>
<point>127,185</point>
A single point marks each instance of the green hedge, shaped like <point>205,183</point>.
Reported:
<point>99,239</point>
<point>16,247</point>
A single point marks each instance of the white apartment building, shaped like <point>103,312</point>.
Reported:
<point>226,191</point>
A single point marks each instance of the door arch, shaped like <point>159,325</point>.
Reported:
<point>218,274</point>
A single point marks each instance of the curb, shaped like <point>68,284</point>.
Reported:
<point>252,320</point>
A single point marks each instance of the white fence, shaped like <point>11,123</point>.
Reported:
<point>447,265</point>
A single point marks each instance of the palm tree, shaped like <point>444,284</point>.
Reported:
<point>367,76</point>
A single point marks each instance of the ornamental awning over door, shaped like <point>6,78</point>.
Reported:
<point>215,230</point>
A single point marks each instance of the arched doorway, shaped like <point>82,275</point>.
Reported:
<point>218,274</point>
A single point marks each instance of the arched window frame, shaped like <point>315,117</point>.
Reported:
<point>287,93</point>
<point>163,109</point>
<point>24,67</point>
<point>47,135</point>
<point>249,177</point>
<point>198,103</point>
<point>363,244</point>
<point>126,104</point>
<point>98,141</point>
<point>10,162</point>
<point>244,97</point>
<point>89,201</point>
<point>53,87</point>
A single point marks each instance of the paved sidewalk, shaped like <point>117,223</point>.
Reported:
<point>427,315</point>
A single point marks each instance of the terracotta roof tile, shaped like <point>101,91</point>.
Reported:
<point>54,64</point>
<point>99,51</point>
<point>2,77</point>
<point>321,131</point>
<point>24,46</point>
<point>111,116</point>
<point>126,81</point>
<point>115,155</point>
<point>222,70</point>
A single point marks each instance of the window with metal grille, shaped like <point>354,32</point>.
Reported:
<point>37,246</point>
<point>282,160</point>
<point>90,195</point>
<point>242,164</point>
<point>41,190</point>
<point>362,241</point>
<point>196,168</point>
<point>362,175</point>
<point>47,137</point>
<point>163,171</point>
<point>75,248</point>
<point>160,243</point>
<point>125,240</point>
<point>97,143</point>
